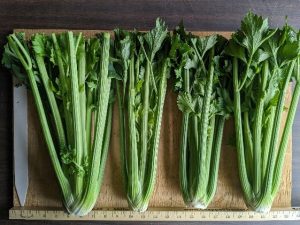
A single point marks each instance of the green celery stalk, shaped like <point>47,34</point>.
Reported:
<point>200,76</point>
<point>23,55</point>
<point>264,62</point>
<point>142,69</point>
<point>69,79</point>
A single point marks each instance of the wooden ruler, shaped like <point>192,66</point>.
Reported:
<point>157,215</point>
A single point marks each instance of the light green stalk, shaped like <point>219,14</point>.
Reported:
<point>99,152</point>
<point>144,126</point>
<point>215,160</point>
<point>247,189</point>
<point>257,137</point>
<point>52,102</point>
<point>64,90</point>
<point>134,184</point>
<point>202,170</point>
<point>248,145</point>
<point>150,177</point>
<point>82,94</point>
<point>184,146</point>
<point>75,105</point>
<point>273,147</point>
<point>284,139</point>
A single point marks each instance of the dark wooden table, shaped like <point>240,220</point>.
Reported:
<point>215,15</point>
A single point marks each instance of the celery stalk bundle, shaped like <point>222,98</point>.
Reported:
<point>141,66</point>
<point>264,62</point>
<point>68,77</point>
<point>201,71</point>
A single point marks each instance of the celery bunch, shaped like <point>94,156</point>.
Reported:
<point>141,66</point>
<point>201,78</point>
<point>68,77</point>
<point>264,62</point>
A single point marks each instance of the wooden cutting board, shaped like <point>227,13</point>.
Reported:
<point>43,191</point>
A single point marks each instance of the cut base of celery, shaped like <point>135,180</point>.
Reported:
<point>142,208</point>
<point>197,205</point>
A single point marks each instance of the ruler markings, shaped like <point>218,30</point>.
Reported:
<point>152,215</point>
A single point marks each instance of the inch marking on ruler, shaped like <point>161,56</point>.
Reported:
<point>157,215</point>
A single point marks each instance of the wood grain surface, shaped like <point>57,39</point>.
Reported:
<point>100,14</point>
